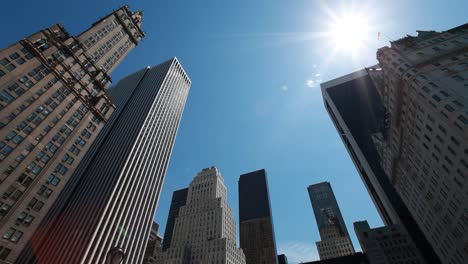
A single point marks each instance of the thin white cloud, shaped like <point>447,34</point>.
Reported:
<point>298,251</point>
<point>310,83</point>
<point>314,66</point>
<point>284,88</point>
<point>317,74</point>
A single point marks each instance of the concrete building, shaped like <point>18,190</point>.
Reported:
<point>413,159</point>
<point>424,145</point>
<point>53,103</point>
<point>335,240</point>
<point>204,230</point>
<point>179,199</point>
<point>257,235</point>
<point>154,245</point>
<point>387,244</point>
<point>110,199</point>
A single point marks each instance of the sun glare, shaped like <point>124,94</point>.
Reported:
<point>349,33</point>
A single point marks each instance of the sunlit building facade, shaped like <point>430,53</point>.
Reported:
<point>111,198</point>
<point>53,103</point>
<point>204,230</point>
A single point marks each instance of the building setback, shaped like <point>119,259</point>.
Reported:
<point>387,244</point>
<point>53,103</point>
<point>335,241</point>
<point>282,259</point>
<point>115,189</point>
<point>179,199</point>
<point>204,229</point>
<point>257,236</point>
<point>357,112</point>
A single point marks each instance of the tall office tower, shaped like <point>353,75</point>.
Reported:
<point>52,105</point>
<point>110,199</point>
<point>257,236</point>
<point>335,241</point>
<point>387,244</point>
<point>204,230</point>
<point>179,199</point>
<point>356,110</point>
<point>419,145</point>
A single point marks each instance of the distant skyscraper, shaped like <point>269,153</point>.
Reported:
<point>257,236</point>
<point>204,230</point>
<point>387,245</point>
<point>282,259</point>
<point>414,160</point>
<point>335,241</point>
<point>179,199</point>
<point>53,103</point>
<point>111,198</point>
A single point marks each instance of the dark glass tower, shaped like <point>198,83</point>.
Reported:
<point>335,241</point>
<point>257,237</point>
<point>111,198</point>
<point>179,199</point>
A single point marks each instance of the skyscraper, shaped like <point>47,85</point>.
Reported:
<point>257,236</point>
<point>153,246</point>
<point>420,144</point>
<point>204,230</point>
<point>387,244</point>
<point>335,241</point>
<point>52,105</point>
<point>179,199</point>
<point>357,112</point>
<point>114,191</point>
<point>424,147</point>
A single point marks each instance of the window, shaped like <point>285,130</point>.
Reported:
<point>4,208</point>
<point>44,191</point>
<point>24,180</point>
<point>4,252</point>
<point>6,96</point>
<point>463,119</point>
<point>458,78</point>
<point>35,204</point>
<point>53,180</point>
<point>24,218</point>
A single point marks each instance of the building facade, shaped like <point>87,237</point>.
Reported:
<point>154,245</point>
<point>179,199</point>
<point>112,195</point>
<point>257,235</point>
<point>423,146</point>
<point>356,258</point>
<point>420,143</point>
<point>53,103</point>
<point>357,112</point>
<point>387,245</point>
<point>204,230</point>
<point>335,240</point>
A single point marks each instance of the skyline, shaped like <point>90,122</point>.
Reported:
<point>282,125</point>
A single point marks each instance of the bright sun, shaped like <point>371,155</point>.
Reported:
<point>349,33</point>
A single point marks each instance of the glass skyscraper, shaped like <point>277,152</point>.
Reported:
<point>257,236</point>
<point>335,241</point>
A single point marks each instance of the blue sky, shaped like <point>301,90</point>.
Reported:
<point>255,101</point>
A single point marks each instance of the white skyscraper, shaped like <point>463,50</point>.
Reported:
<point>204,230</point>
